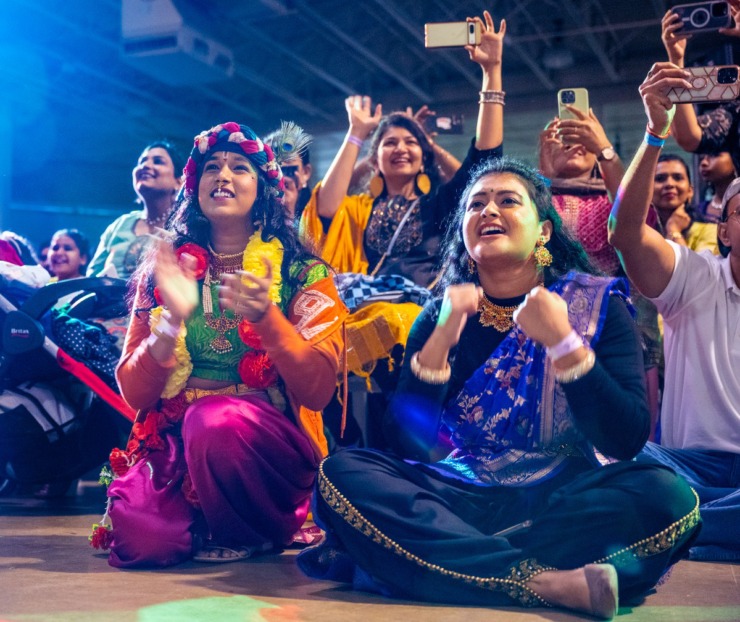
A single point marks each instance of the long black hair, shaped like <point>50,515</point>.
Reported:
<point>567,253</point>
<point>189,225</point>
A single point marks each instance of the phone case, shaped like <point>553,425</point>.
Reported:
<point>697,16</point>
<point>580,102</point>
<point>451,34</point>
<point>705,86</point>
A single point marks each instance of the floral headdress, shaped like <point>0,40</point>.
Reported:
<point>238,139</point>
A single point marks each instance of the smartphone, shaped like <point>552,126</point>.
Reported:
<point>450,124</point>
<point>704,16</point>
<point>578,98</point>
<point>709,84</point>
<point>451,34</point>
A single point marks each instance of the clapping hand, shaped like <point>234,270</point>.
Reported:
<point>246,294</point>
<point>175,281</point>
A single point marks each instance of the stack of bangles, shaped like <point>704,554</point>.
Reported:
<point>430,376</point>
<point>566,346</point>
<point>492,97</point>
<point>358,142</point>
<point>656,140</point>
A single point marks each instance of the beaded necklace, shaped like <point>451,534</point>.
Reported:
<point>220,264</point>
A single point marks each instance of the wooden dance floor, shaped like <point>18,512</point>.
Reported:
<point>48,573</point>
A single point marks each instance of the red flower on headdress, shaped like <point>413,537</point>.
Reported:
<point>257,371</point>
<point>201,257</point>
<point>191,168</point>
<point>249,336</point>
<point>250,146</point>
<point>231,127</point>
<point>212,140</point>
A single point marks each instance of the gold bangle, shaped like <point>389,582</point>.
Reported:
<point>577,371</point>
<point>430,376</point>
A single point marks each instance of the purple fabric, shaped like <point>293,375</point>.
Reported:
<point>252,469</point>
<point>152,520</point>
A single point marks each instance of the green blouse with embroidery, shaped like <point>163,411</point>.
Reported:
<point>212,365</point>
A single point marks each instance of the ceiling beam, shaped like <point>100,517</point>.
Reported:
<point>316,19</point>
<point>577,15</point>
<point>415,30</point>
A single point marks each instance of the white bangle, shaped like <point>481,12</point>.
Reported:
<point>569,344</point>
<point>492,97</point>
<point>577,371</point>
<point>430,376</point>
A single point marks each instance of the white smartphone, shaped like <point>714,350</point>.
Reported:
<point>578,98</point>
<point>451,34</point>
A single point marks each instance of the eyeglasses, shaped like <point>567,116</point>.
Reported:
<point>733,214</point>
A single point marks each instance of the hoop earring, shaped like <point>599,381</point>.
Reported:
<point>377,185</point>
<point>423,183</point>
<point>472,266</point>
<point>542,255</point>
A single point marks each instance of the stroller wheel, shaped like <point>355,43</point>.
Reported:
<point>7,486</point>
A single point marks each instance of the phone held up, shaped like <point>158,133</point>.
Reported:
<point>578,98</point>
<point>452,34</point>
<point>709,84</point>
<point>703,16</point>
<point>451,124</point>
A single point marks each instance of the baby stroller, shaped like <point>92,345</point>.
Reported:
<point>60,415</point>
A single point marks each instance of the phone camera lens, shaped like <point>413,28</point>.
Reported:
<point>699,17</point>
<point>471,28</point>
<point>568,97</point>
<point>727,75</point>
<point>719,9</point>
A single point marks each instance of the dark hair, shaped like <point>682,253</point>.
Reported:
<point>178,161</point>
<point>669,157</point>
<point>80,239</point>
<point>402,120</point>
<point>567,253</point>
<point>189,224</point>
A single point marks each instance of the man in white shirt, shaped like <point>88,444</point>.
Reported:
<point>699,297</point>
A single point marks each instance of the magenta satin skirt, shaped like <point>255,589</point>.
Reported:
<point>252,470</point>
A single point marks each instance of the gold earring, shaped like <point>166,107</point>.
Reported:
<point>542,256</point>
<point>377,185</point>
<point>472,266</point>
<point>423,183</point>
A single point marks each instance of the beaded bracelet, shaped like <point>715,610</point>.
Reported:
<point>658,136</point>
<point>430,376</point>
<point>571,374</point>
<point>569,344</point>
<point>355,141</point>
<point>492,97</point>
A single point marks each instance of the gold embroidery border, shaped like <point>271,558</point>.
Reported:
<point>525,570</point>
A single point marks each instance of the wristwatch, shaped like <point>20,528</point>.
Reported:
<point>607,154</point>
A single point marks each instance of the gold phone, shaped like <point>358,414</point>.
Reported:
<point>578,98</point>
<point>451,34</point>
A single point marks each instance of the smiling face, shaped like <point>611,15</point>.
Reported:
<point>501,224</point>
<point>399,156</point>
<point>65,258</point>
<point>672,188</point>
<point>227,188</point>
<point>154,173</point>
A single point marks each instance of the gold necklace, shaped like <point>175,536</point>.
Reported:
<point>220,264</point>
<point>495,315</point>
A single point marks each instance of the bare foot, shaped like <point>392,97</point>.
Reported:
<point>592,589</point>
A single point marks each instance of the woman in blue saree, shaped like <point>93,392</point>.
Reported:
<point>530,368</point>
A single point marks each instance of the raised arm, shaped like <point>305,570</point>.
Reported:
<point>489,54</point>
<point>646,256</point>
<point>362,122</point>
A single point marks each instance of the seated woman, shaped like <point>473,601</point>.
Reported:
<point>395,228</point>
<point>534,367</point>
<point>223,457</point>
<point>156,183</point>
<point>672,194</point>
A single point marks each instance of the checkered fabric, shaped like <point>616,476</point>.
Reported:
<point>357,290</point>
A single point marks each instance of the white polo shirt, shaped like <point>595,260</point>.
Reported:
<point>701,316</point>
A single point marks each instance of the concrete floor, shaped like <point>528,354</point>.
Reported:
<point>48,573</point>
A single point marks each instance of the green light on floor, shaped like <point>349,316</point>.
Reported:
<point>214,609</point>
